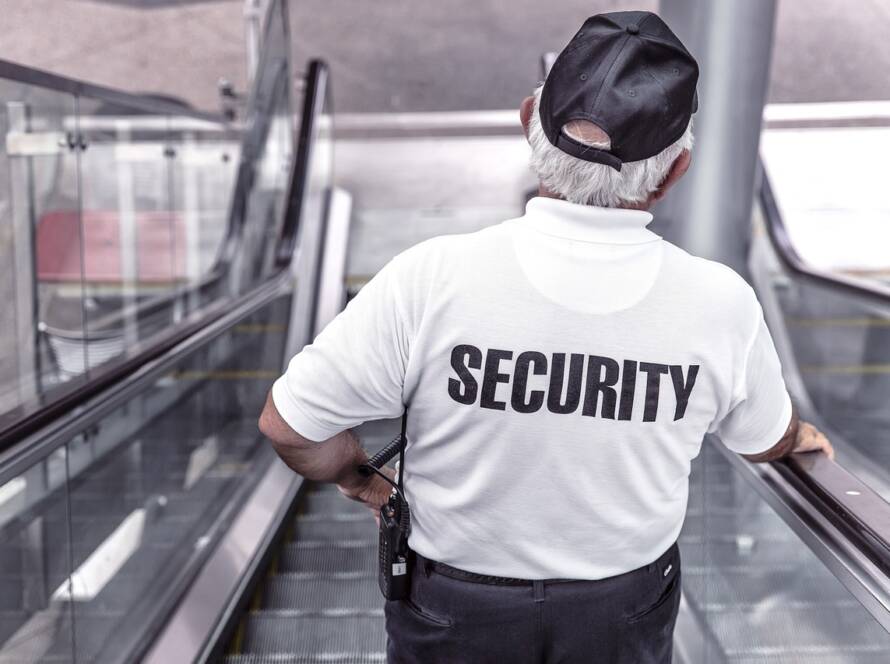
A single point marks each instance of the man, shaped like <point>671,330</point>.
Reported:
<point>560,371</point>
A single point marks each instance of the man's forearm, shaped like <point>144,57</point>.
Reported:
<point>333,460</point>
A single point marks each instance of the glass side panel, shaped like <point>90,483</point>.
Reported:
<point>259,215</point>
<point>836,357</point>
<point>146,503</point>
<point>137,219</point>
<point>40,243</point>
<point>757,593</point>
<point>156,191</point>
<point>837,216</point>
<point>202,163</point>
<point>35,622</point>
<point>130,234</point>
<point>149,488</point>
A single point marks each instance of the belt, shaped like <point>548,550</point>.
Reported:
<point>427,566</point>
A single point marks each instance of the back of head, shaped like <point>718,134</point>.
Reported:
<point>592,183</point>
<point>615,111</point>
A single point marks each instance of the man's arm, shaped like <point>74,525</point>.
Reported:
<point>333,460</point>
<point>798,437</point>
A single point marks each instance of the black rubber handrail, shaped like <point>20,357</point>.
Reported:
<point>145,104</point>
<point>845,500</point>
<point>26,420</point>
<point>850,504</point>
<point>315,103</point>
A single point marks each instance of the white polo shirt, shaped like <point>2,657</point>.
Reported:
<point>560,370</point>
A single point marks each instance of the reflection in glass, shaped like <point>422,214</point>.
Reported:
<point>148,502</point>
<point>35,623</point>
<point>40,262</point>
<point>755,590</point>
<point>837,216</point>
<point>146,487</point>
<point>836,358</point>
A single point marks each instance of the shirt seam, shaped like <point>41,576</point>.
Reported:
<point>749,347</point>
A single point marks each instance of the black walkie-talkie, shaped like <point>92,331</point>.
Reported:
<point>395,559</point>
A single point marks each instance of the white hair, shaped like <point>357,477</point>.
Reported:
<point>591,183</point>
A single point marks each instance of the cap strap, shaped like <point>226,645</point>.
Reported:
<point>586,152</point>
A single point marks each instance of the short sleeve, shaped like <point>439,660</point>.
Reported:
<point>759,419</point>
<point>354,370</point>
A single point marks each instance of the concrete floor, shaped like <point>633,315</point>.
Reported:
<point>407,55</point>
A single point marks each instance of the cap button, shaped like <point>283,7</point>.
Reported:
<point>633,29</point>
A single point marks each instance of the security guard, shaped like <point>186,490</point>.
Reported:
<point>560,371</point>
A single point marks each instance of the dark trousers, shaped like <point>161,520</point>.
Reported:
<point>456,617</point>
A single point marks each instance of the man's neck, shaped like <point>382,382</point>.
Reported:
<point>644,206</point>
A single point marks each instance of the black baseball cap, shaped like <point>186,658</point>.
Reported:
<point>627,73</point>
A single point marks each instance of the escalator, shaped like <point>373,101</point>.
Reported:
<point>143,518</point>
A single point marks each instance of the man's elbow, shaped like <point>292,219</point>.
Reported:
<point>264,423</point>
<point>784,447</point>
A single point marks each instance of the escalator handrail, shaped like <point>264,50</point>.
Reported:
<point>19,73</point>
<point>102,378</point>
<point>792,261</point>
<point>95,401</point>
<point>818,527</point>
<point>846,501</point>
<point>270,68</point>
<point>316,103</point>
<point>39,78</point>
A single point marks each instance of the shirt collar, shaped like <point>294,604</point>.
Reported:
<point>587,223</point>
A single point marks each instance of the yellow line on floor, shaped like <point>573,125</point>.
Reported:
<point>848,369</point>
<point>840,322</point>
<point>358,280</point>
<point>254,328</point>
<point>227,375</point>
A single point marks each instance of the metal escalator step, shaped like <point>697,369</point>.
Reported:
<point>345,658</point>
<point>325,636</point>
<point>321,556</point>
<point>309,592</point>
<point>356,527</point>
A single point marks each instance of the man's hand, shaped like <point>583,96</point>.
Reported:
<point>372,491</point>
<point>810,439</point>
<point>800,436</point>
<point>333,460</point>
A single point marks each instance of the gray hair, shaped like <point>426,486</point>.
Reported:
<point>590,183</point>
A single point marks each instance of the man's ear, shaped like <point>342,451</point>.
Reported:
<point>678,169</point>
<point>526,108</point>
